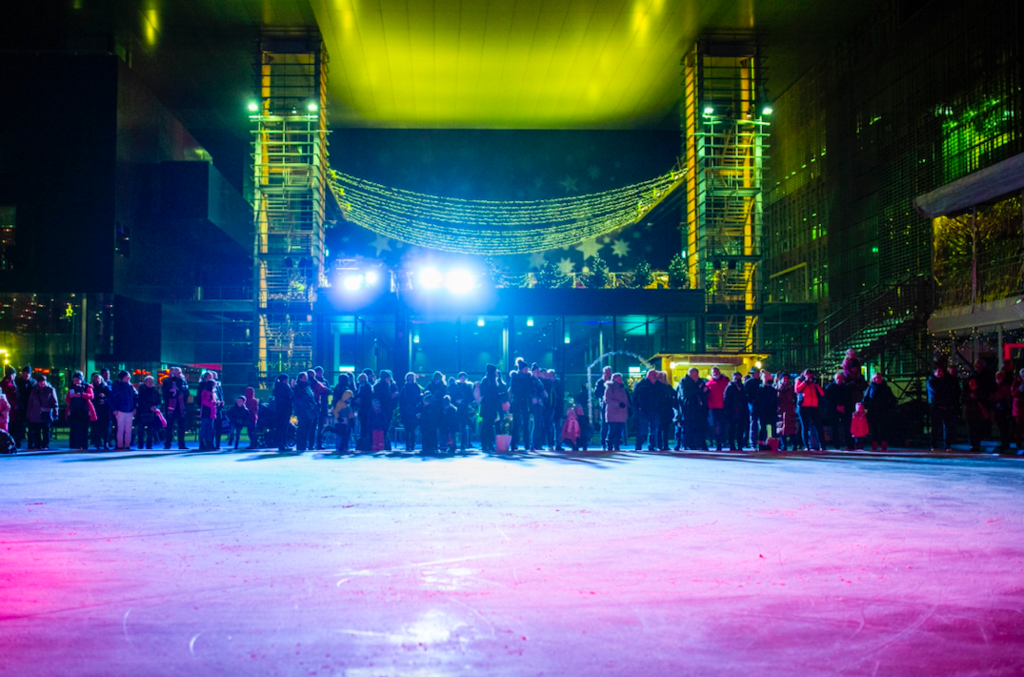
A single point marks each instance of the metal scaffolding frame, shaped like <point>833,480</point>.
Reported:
<point>290,189</point>
<point>725,143</point>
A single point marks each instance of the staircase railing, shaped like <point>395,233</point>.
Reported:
<point>907,299</point>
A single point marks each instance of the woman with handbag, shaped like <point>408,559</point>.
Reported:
<point>79,411</point>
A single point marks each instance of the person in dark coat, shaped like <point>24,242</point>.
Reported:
<point>322,390</point>
<point>666,409</point>
<point>750,387</point>
<point>977,412</point>
<point>464,403</point>
<point>693,401</point>
<point>306,411</point>
<point>175,393</point>
<point>943,396</point>
<point>41,412</point>
<point>556,397</point>
<point>538,402</point>
<point>79,405</point>
<point>429,415</point>
<point>838,411</point>
<point>766,408</point>
<point>521,393</point>
<point>493,392</point>
<point>100,428</point>
<point>148,423</point>
<point>1001,402</point>
<point>409,398</point>
<point>737,413</point>
<point>599,386</point>
<point>881,405</point>
<point>386,392</point>
<point>364,405</point>
<point>239,417</point>
<point>448,425</point>
<point>24,384</point>
<point>282,411</point>
<point>647,402</point>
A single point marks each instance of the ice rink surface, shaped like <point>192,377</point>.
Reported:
<point>256,563</point>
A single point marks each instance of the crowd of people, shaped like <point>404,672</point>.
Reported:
<point>528,409</point>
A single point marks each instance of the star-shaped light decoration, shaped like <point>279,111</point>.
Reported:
<point>380,243</point>
<point>537,259</point>
<point>593,171</point>
<point>569,183</point>
<point>589,248</point>
<point>620,248</point>
<point>566,267</point>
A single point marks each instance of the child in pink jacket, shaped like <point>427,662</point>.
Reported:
<point>859,425</point>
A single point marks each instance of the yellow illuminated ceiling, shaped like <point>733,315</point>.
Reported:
<point>512,64</point>
<point>502,63</point>
<point>542,64</point>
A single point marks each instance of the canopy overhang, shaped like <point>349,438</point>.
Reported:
<point>976,188</point>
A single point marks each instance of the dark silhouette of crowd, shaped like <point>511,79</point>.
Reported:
<point>527,409</point>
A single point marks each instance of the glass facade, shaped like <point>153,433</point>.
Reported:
<point>907,103</point>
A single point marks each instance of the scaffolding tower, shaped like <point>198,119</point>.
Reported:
<point>725,133</point>
<point>290,189</point>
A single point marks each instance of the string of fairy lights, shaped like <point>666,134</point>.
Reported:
<point>492,227</point>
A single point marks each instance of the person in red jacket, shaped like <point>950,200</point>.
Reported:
<point>809,395</point>
<point>716,405</point>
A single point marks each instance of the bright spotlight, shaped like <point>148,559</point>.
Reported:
<point>312,108</point>
<point>253,106</point>
<point>371,278</point>
<point>767,110</point>
<point>430,279</point>
<point>708,110</point>
<point>459,281</point>
<point>352,282</point>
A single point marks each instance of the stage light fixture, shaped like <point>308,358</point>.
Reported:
<point>371,278</point>
<point>767,110</point>
<point>757,365</point>
<point>253,106</point>
<point>529,322</point>
<point>480,322</point>
<point>352,282</point>
<point>430,279</point>
<point>459,281</point>
<point>312,107</point>
<point>708,110</point>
